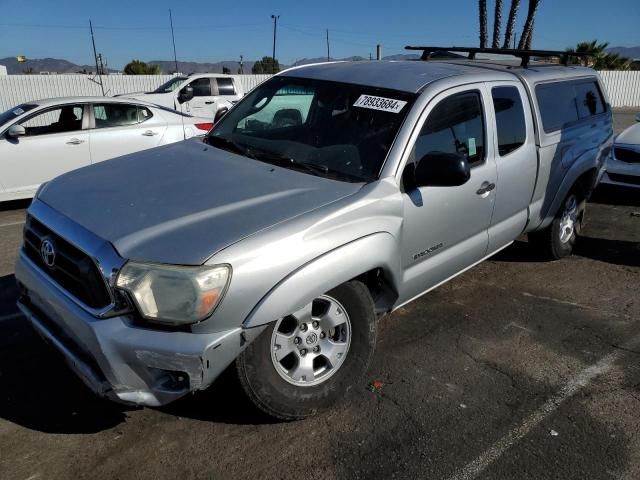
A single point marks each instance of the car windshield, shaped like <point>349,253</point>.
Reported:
<point>15,112</point>
<point>170,86</point>
<point>330,129</point>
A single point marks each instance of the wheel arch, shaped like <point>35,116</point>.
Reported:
<point>582,176</point>
<point>379,272</point>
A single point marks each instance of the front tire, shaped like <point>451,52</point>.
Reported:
<point>307,361</point>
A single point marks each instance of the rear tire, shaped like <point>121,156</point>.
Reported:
<point>294,368</point>
<point>559,238</point>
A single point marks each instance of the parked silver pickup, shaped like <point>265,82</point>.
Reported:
<point>330,195</point>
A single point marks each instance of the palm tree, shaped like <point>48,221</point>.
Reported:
<point>601,60</point>
<point>483,23</point>
<point>511,23</point>
<point>497,22</point>
<point>527,30</point>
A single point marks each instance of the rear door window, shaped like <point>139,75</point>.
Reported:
<point>225,86</point>
<point>589,99</point>
<point>557,103</point>
<point>510,122</point>
<point>108,115</point>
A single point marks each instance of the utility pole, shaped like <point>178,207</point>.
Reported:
<point>328,55</point>
<point>173,39</point>
<point>378,52</point>
<point>95,55</point>
<point>275,28</point>
<point>241,65</point>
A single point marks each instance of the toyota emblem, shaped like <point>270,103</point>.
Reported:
<point>48,253</point>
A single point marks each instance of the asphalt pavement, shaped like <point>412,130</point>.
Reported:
<point>517,369</point>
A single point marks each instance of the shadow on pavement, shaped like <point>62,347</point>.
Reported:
<point>14,205</point>
<point>41,393</point>
<point>618,252</point>
<point>223,402</point>
<point>518,251</point>
<point>616,195</point>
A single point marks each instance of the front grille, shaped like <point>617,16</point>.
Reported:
<point>626,155</point>
<point>631,179</point>
<point>73,269</point>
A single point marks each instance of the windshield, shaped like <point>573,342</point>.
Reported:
<point>15,112</point>
<point>170,86</point>
<point>330,129</point>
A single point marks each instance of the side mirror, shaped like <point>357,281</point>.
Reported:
<point>637,117</point>
<point>16,131</point>
<point>439,169</point>
<point>219,114</point>
<point>185,94</point>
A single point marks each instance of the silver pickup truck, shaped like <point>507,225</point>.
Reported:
<point>330,195</point>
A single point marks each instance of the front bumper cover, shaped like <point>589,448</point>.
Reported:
<point>117,359</point>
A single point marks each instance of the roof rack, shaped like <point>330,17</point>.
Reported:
<point>524,55</point>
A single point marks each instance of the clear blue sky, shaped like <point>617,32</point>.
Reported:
<point>222,30</point>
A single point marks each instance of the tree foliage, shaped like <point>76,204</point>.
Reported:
<point>226,70</point>
<point>136,67</point>
<point>601,60</point>
<point>266,65</point>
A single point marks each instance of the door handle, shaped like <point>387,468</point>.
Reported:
<point>75,141</point>
<point>209,103</point>
<point>149,133</point>
<point>486,187</point>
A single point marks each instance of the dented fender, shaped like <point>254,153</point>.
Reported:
<point>326,272</point>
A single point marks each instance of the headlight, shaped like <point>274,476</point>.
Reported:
<point>172,294</point>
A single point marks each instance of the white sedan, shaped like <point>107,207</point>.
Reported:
<point>623,167</point>
<point>43,139</point>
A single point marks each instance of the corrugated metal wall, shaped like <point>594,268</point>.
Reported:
<point>623,87</point>
<point>17,89</point>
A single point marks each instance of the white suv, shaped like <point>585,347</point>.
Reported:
<point>201,95</point>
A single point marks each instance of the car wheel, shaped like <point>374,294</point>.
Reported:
<point>307,361</point>
<point>558,239</point>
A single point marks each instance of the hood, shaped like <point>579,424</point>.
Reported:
<point>182,203</point>
<point>630,136</point>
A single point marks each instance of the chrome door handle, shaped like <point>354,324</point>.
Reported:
<point>75,141</point>
<point>149,133</point>
<point>486,187</point>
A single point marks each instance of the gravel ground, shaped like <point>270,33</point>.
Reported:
<point>519,368</point>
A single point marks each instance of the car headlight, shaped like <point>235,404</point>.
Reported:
<point>172,294</point>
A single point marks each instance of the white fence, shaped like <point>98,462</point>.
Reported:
<point>17,89</point>
<point>623,87</point>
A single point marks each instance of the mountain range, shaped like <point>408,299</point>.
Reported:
<point>56,65</point>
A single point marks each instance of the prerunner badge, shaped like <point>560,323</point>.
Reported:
<point>379,103</point>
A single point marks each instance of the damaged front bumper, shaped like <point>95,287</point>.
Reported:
<point>120,360</point>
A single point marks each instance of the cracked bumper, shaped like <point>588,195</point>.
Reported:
<point>116,359</point>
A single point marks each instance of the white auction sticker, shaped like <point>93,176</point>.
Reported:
<point>380,103</point>
<point>18,111</point>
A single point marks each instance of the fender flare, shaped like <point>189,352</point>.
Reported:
<point>300,287</point>
<point>576,170</point>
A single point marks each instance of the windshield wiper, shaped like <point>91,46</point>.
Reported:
<point>285,161</point>
<point>229,145</point>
